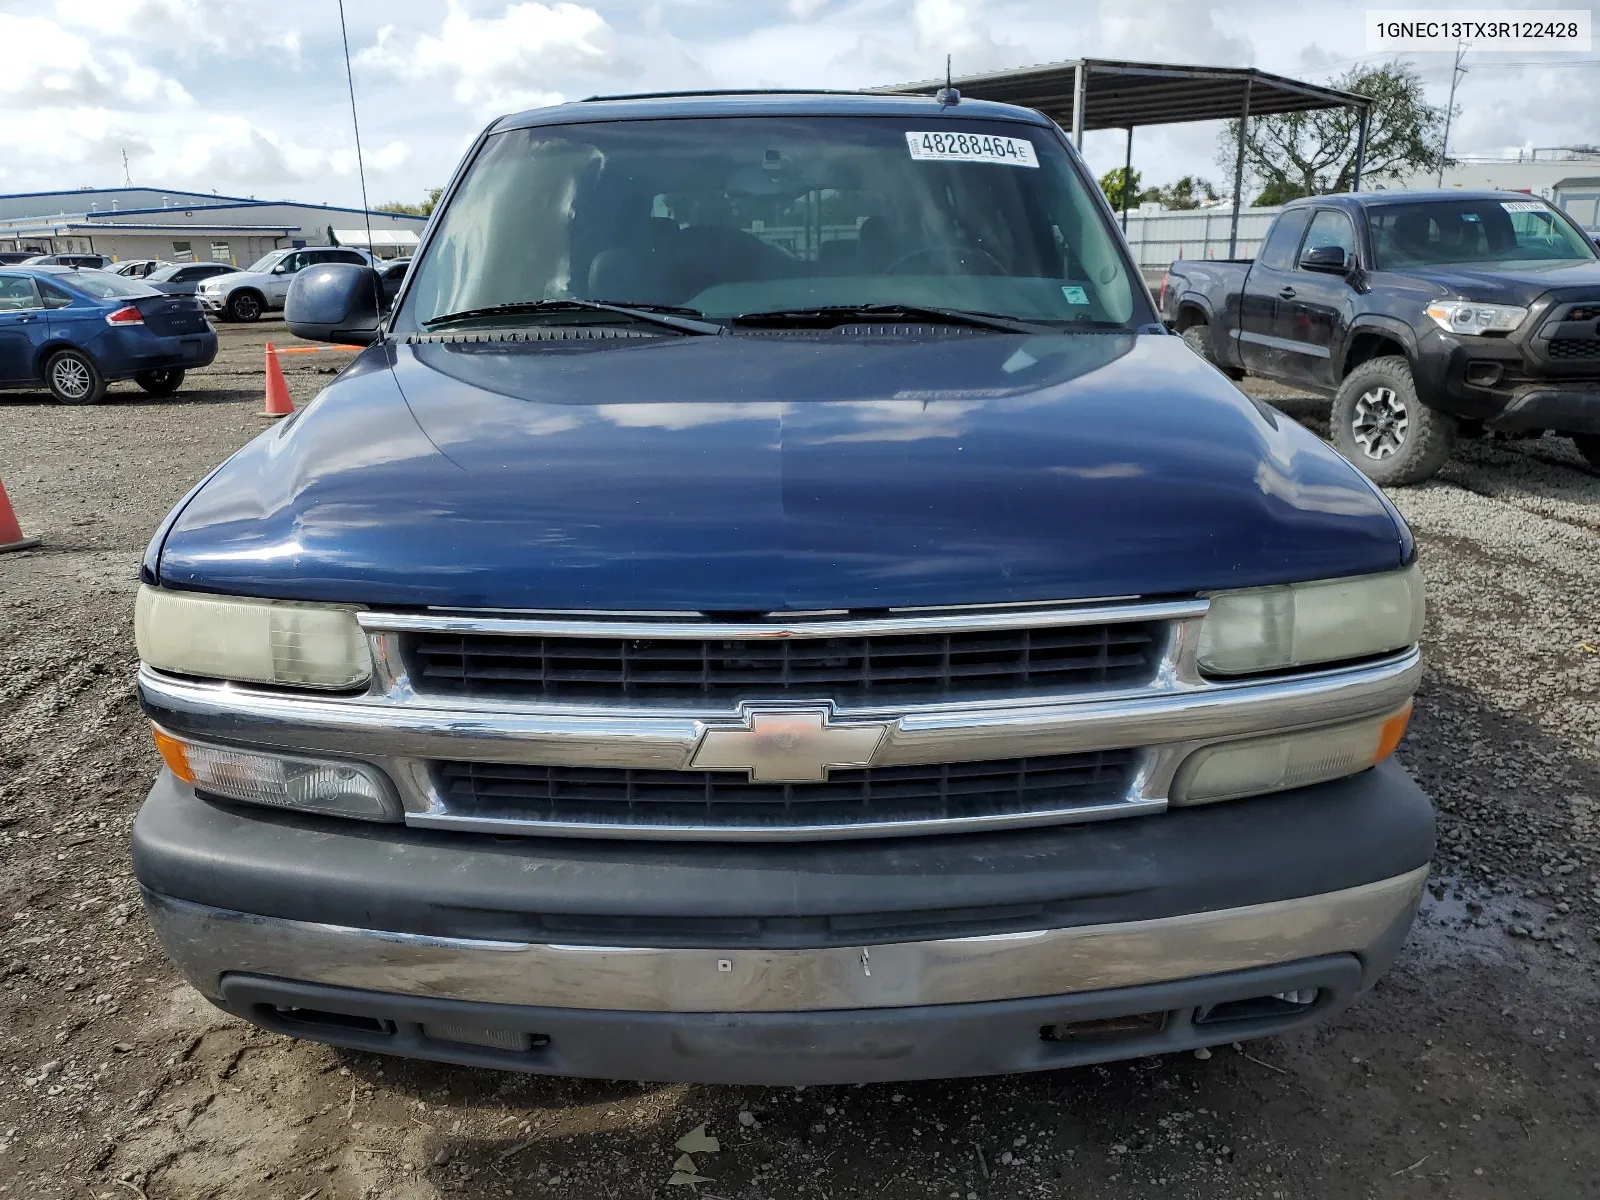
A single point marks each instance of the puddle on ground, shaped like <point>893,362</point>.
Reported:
<point>1459,919</point>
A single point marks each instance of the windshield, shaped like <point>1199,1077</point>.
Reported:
<point>103,285</point>
<point>756,214</point>
<point>267,261</point>
<point>1442,232</point>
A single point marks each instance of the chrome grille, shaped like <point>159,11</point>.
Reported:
<point>1053,786</point>
<point>922,666</point>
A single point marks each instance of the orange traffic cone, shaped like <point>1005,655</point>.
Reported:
<point>10,532</point>
<point>278,402</point>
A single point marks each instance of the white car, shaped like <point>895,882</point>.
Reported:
<point>260,287</point>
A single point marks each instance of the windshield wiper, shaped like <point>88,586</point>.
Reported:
<point>836,314</point>
<point>662,315</point>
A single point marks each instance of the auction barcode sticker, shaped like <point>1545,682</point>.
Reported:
<point>972,147</point>
<point>1524,205</point>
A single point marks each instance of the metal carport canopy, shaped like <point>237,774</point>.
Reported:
<point>1122,95</point>
<point>1103,93</point>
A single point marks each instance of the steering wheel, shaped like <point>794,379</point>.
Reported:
<point>952,252</point>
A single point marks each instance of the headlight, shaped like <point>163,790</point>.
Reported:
<point>1466,316</point>
<point>339,789</point>
<point>1272,628</point>
<point>253,641</point>
<point>1233,770</point>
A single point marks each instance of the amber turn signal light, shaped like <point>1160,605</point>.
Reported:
<point>174,753</point>
<point>1393,730</point>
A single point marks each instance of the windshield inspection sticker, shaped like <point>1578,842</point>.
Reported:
<point>1075,295</point>
<point>1523,205</point>
<point>972,147</point>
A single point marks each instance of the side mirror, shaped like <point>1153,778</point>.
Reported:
<point>334,302</point>
<point>1328,259</point>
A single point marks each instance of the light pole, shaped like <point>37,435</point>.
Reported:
<point>1456,73</point>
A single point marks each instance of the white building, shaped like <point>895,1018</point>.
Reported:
<point>140,222</point>
<point>1569,179</point>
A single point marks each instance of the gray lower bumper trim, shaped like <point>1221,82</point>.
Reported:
<point>209,943</point>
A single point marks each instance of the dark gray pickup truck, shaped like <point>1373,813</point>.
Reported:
<point>1425,315</point>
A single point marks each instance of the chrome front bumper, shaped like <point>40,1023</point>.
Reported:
<point>211,943</point>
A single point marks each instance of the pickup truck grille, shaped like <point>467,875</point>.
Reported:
<point>1053,786</point>
<point>922,666</point>
<point>1574,350</point>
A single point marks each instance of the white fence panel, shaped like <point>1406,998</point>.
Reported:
<point>1158,238</point>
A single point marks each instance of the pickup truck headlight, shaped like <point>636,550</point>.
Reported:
<point>1468,316</point>
<point>1274,628</point>
<point>251,641</point>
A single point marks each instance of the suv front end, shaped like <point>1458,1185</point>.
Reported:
<point>1113,851</point>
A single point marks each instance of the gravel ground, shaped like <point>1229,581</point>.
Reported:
<point>1472,1071</point>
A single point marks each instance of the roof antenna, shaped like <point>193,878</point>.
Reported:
<point>361,166</point>
<point>947,95</point>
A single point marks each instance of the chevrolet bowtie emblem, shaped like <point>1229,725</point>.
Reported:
<point>788,745</point>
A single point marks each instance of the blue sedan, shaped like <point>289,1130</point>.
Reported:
<point>76,332</point>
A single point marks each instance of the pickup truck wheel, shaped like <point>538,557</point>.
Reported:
<point>1381,426</point>
<point>74,379</point>
<point>244,306</point>
<point>1198,339</point>
<point>1589,446</point>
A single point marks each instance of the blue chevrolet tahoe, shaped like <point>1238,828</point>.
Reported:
<point>771,603</point>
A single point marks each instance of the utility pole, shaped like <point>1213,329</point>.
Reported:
<point>1449,109</point>
<point>126,178</point>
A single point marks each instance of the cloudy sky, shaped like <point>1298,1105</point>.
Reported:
<point>245,97</point>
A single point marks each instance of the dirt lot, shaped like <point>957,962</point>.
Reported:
<point>1473,1071</point>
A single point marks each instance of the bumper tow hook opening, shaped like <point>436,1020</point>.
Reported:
<point>1280,1004</point>
<point>1132,1025</point>
<point>289,1014</point>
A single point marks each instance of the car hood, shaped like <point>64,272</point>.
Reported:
<point>1518,283</point>
<point>764,473</point>
<point>233,279</point>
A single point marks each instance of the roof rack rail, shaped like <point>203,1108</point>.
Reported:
<point>731,92</point>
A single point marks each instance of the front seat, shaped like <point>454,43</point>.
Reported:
<point>637,268</point>
<point>875,243</point>
<point>1411,234</point>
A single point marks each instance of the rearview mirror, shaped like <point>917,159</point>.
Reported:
<point>334,302</point>
<point>1325,258</point>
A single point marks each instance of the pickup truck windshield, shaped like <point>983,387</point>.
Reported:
<point>1442,232</point>
<point>736,216</point>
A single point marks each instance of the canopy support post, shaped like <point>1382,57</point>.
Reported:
<point>1238,171</point>
<point>1080,85</point>
<point>1361,147</point>
<point>1127,179</point>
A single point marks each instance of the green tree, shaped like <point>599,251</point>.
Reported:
<point>1111,184</point>
<point>1191,191</point>
<point>1280,191</point>
<point>424,209</point>
<point>1312,153</point>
